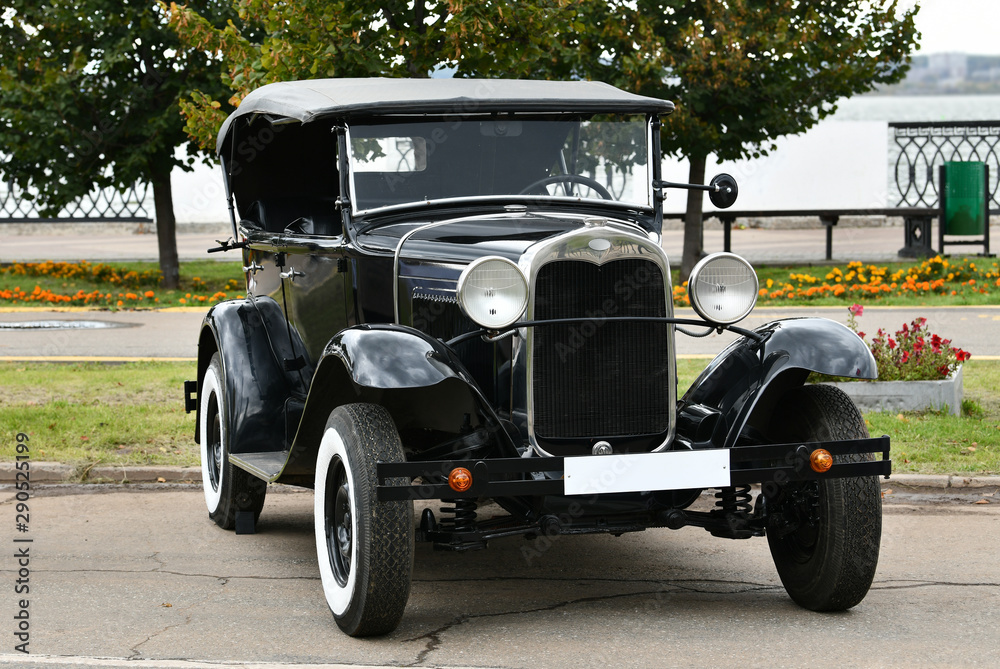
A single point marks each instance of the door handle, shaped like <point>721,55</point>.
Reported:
<point>252,267</point>
<point>291,274</point>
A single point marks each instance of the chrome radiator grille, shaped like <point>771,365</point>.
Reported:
<point>595,378</point>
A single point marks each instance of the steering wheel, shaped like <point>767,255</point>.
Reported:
<point>569,178</point>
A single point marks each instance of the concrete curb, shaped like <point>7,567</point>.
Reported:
<point>56,472</point>
<point>942,481</point>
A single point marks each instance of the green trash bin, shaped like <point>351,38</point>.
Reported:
<point>964,201</point>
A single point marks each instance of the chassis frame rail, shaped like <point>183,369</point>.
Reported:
<point>770,464</point>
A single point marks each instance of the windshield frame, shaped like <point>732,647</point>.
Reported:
<point>499,200</point>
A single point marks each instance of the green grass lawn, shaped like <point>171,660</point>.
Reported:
<point>87,413</point>
<point>935,443</point>
<point>929,442</point>
<point>133,414</point>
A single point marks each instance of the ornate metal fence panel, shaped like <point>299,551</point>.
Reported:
<point>132,206</point>
<point>917,149</point>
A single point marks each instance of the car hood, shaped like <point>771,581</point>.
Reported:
<point>462,240</point>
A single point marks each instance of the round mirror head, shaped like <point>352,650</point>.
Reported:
<point>723,191</point>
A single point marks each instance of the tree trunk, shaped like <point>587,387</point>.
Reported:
<point>694,247</point>
<point>166,229</point>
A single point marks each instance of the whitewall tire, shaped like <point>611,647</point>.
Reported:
<point>227,488</point>
<point>364,547</point>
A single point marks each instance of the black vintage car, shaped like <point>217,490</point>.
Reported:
<point>456,291</point>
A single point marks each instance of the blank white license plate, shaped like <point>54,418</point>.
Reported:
<point>640,472</point>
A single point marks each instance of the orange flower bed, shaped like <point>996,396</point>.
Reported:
<point>860,282</point>
<point>79,298</point>
<point>137,289</point>
<point>99,272</point>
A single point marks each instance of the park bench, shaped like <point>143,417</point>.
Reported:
<point>917,224</point>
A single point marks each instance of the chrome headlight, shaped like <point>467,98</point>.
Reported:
<point>723,288</point>
<point>493,292</point>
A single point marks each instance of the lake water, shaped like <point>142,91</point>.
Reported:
<point>846,161</point>
<point>901,108</point>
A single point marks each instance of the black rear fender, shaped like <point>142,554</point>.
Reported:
<point>747,380</point>
<point>252,343</point>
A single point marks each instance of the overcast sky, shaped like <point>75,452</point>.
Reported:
<point>972,26</point>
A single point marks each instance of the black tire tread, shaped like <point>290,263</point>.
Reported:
<point>370,428</point>
<point>850,508</point>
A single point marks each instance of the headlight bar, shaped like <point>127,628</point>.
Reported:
<point>750,334</point>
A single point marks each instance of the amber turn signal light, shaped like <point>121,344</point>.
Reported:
<point>460,479</point>
<point>820,460</point>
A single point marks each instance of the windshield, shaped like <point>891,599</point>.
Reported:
<point>602,158</point>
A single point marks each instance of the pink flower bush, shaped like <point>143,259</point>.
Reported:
<point>907,357</point>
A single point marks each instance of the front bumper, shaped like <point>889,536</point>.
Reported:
<point>767,465</point>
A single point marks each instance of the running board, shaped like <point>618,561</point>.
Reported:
<point>266,465</point>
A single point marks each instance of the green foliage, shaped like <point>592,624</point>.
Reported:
<point>742,72</point>
<point>99,273</point>
<point>308,39</point>
<point>89,92</point>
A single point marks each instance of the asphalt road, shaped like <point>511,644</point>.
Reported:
<point>122,573</point>
<point>974,329</point>
<point>174,334</point>
<point>155,334</point>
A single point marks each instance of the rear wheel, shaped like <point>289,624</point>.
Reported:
<point>824,535</point>
<point>364,546</point>
<point>227,489</point>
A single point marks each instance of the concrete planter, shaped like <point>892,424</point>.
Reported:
<point>896,396</point>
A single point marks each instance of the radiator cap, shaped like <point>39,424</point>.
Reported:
<point>602,448</point>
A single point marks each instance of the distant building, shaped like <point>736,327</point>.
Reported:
<point>950,73</point>
<point>948,67</point>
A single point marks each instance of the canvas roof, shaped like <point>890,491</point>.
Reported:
<point>316,98</point>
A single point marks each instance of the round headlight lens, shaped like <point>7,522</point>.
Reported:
<point>493,292</point>
<point>723,288</point>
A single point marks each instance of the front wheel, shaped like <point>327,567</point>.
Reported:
<point>364,547</point>
<point>826,545</point>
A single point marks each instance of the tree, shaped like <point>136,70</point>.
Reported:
<point>305,39</point>
<point>742,72</point>
<point>89,94</point>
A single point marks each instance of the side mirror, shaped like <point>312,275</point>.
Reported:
<point>722,191</point>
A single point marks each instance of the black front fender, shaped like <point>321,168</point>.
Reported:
<point>747,379</point>
<point>417,378</point>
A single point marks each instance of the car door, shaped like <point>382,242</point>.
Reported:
<point>315,296</point>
